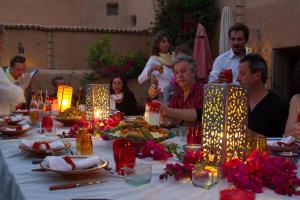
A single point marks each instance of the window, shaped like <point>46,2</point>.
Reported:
<point>133,20</point>
<point>112,9</point>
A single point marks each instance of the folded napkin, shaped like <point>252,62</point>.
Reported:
<point>15,118</point>
<point>286,141</point>
<point>25,126</point>
<point>60,164</point>
<point>57,144</point>
<point>8,129</point>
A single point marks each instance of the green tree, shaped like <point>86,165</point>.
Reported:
<point>179,18</point>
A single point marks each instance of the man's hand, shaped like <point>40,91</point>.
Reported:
<point>24,80</point>
<point>153,92</point>
<point>221,77</point>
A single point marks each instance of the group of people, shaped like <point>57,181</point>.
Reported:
<point>175,82</point>
<point>268,114</point>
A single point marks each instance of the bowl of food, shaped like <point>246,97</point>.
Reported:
<point>70,116</point>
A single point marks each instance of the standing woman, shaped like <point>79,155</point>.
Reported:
<point>122,97</point>
<point>159,64</point>
<point>10,94</point>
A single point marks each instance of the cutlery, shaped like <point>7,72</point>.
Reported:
<point>73,185</point>
<point>37,161</point>
<point>38,170</point>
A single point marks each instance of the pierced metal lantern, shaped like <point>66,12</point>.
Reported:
<point>225,122</point>
<point>97,101</point>
<point>64,97</point>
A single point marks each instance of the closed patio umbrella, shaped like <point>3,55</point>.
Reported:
<point>201,53</point>
<point>226,23</point>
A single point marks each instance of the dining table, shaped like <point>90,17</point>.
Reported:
<point>19,182</point>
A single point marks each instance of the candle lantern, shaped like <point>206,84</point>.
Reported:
<point>97,101</point>
<point>225,122</point>
<point>64,96</point>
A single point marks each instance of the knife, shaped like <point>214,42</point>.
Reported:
<point>73,185</point>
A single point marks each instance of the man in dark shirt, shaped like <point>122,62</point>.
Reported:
<point>267,111</point>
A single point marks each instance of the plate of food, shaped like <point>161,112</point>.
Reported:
<point>70,116</point>
<point>282,144</point>
<point>74,167</point>
<point>43,147</point>
<point>139,130</point>
<point>15,130</point>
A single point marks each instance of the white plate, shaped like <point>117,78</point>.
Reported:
<point>77,174</point>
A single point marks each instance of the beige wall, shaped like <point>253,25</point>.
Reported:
<point>70,49</point>
<point>53,12</point>
<point>77,13</point>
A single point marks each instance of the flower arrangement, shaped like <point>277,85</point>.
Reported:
<point>180,171</point>
<point>155,150</point>
<point>260,170</point>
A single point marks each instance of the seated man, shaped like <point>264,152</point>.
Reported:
<point>16,72</point>
<point>59,80</point>
<point>267,111</point>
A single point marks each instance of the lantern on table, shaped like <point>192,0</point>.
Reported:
<point>225,122</point>
<point>97,101</point>
<point>64,96</point>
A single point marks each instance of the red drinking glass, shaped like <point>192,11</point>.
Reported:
<point>124,154</point>
<point>194,135</point>
<point>47,123</point>
<point>228,75</point>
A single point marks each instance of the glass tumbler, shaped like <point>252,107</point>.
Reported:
<point>124,154</point>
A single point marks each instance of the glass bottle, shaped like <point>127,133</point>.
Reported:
<point>33,110</point>
<point>86,143</point>
<point>78,140</point>
<point>40,100</point>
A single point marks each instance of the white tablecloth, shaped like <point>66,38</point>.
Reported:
<point>18,182</point>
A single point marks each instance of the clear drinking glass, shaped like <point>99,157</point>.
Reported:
<point>137,173</point>
<point>205,176</point>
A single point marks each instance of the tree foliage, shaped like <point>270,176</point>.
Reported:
<point>179,18</point>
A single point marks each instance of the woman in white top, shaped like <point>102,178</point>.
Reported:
<point>159,64</point>
<point>292,127</point>
<point>10,94</point>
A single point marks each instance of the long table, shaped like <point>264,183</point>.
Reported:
<point>18,182</point>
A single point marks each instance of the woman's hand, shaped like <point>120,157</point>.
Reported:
<point>296,130</point>
<point>154,67</point>
<point>153,92</point>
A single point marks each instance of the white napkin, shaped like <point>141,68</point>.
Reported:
<point>58,163</point>
<point>288,140</point>
<point>57,144</point>
<point>15,118</point>
<point>8,129</point>
<point>25,126</point>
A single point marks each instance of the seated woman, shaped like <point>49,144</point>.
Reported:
<point>187,101</point>
<point>121,97</point>
<point>292,127</point>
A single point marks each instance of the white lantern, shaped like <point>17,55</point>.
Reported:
<point>225,122</point>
